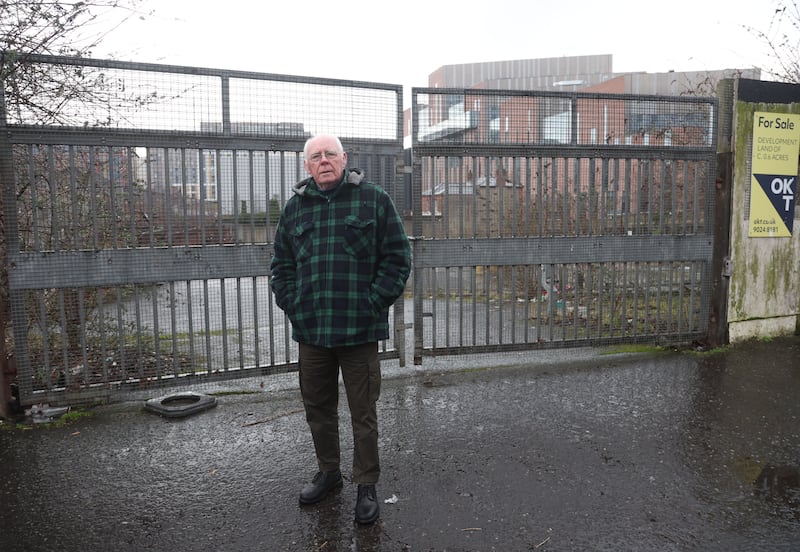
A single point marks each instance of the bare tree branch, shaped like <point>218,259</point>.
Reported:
<point>782,39</point>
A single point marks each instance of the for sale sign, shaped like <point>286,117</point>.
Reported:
<point>773,186</point>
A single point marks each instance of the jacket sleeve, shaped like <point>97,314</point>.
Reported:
<point>283,266</point>
<point>393,258</point>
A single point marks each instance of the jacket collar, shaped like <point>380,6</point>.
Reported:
<point>351,176</point>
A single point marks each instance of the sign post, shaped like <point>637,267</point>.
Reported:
<point>773,185</point>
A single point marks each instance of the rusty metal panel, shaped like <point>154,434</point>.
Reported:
<point>140,215</point>
<point>559,219</point>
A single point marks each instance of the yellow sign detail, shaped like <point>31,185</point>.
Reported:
<point>773,184</point>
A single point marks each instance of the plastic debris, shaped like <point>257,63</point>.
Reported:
<point>392,499</point>
<point>44,413</point>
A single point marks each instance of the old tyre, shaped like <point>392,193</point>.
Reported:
<point>180,405</point>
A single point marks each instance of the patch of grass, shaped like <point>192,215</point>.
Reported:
<point>71,416</point>
<point>634,348</point>
<point>8,425</point>
<point>714,351</point>
<point>227,393</point>
<point>64,420</point>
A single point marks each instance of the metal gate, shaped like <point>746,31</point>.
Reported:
<point>559,219</point>
<point>139,214</point>
<point>138,222</point>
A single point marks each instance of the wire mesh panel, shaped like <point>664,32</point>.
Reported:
<point>140,214</point>
<point>555,219</point>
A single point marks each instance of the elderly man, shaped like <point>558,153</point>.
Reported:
<point>341,259</point>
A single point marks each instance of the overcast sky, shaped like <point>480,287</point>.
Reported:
<point>403,42</point>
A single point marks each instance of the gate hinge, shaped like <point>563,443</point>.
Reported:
<point>727,267</point>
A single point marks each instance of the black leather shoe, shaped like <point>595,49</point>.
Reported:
<point>320,486</point>
<point>367,504</point>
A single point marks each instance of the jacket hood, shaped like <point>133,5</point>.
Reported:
<point>351,176</point>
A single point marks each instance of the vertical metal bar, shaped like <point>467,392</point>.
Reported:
<point>190,324</point>
<point>239,321</point>
<point>605,211</point>
<point>94,208</point>
<point>53,239</point>
<point>500,186</point>
<point>695,323</point>
<point>447,306</point>
<point>499,281</point>
<point>575,300</point>
<point>541,182</point>
<point>526,297</point>
<point>527,187</point>
<point>270,239</point>
<point>172,303</point>
<point>628,203</point>
<point>515,188</point>
<point>112,178</point>
<point>474,162</point>
<point>256,328</point>
<point>591,186</point>
<point>651,184</point>
<point>184,197</point>
<point>637,281</point>
<point>601,305</point>
<point>156,334</point>
<point>571,202</point>
<point>202,182</point>
<point>698,188</point>
<point>207,325</point>
<point>252,210</point>
<point>461,268</point>
<point>223,292</point>
<point>709,211</point>
<point>149,201</point>
<point>662,184</point>
<point>168,183</point>
<point>220,199</point>
<point>648,292</point>
<point>553,194</point>
<point>475,209</point>
<point>287,328</point>
<point>551,301</point>
<point>64,379</point>
<point>674,318</point>
<point>149,214</point>
<point>434,308</point>
<point>638,190</point>
<point>512,298</point>
<point>446,222</point>
<point>685,211</point>
<point>675,228</point>
<point>658,290</point>
<point>613,308</point>
<point>576,197</point>
<point>34,201</point>
<point>225,95</point>
<point>625,293</point>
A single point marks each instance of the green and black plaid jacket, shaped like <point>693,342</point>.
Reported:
<point>340,261</point>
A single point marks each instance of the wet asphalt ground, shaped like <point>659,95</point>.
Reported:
<point>552,451</point>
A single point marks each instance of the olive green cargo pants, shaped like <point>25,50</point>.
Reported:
<point>319,385</point>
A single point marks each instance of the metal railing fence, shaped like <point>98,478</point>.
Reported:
<point>139,214</point>
<point>559,219</point>
<point>138,219</point>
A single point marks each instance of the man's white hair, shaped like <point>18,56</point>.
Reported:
<point>331,136</point>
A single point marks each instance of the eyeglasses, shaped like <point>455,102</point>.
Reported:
<point>330,155</point>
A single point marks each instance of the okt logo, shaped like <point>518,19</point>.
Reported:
<point>780,191</point>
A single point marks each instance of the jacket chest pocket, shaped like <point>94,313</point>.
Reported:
<point>301,237</point>
<point>359,237</point>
